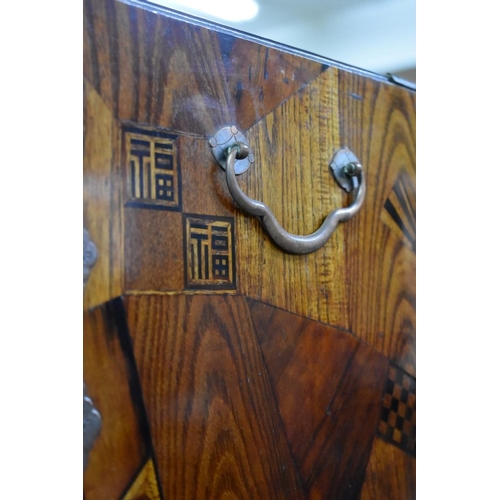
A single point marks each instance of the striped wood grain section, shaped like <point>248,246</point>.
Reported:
<point>390,474</point>
<point>329,386</point>
<point>293,146</point>
<point>381,286</point>
<point>400,211</point>
<point>214,422</point>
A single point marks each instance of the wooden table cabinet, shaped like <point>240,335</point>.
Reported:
<point>223,367</point>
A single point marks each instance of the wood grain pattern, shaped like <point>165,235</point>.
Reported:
<point>296,112</point>
<point>120,448</point>
<point>363,279</point>
<point>154,244</point>
<point>292,413</point>
<point>258,80</point>
<point>332,413</point>
<point>101,211</point>
<point>400,212</point>
<point>380,127</point>
<point>204,188</point>
<point>390,474</point>
<point>140,62</point>
<point>214,424</point>
<point>153,250</point>
<point>145,485</point>
<point>293,146</point>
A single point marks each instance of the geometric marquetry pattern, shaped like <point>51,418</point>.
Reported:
<point>399,209</point>
<point>330,430</point>
<point>188,81</point>
<point>209,252</point>
<point>152,169</point>
<point>398,420</point>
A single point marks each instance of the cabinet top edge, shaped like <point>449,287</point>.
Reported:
<point>205,23</point>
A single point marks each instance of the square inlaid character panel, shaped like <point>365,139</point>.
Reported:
<point>209,252</point>
<point>152,165</point>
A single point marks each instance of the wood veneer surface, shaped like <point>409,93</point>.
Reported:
<point>263,377</point>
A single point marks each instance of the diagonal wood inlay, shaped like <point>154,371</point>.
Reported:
<point>140,63</point>
<point>230,401</point>
<point>213,416</point>
<point>332,412</point>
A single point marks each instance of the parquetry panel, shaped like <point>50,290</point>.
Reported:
<point>298,113</point>
<point>138,62</point>
<point>328,385</point>
<point>211,408</point>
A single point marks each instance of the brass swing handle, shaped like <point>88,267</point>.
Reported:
<point>292,243</point>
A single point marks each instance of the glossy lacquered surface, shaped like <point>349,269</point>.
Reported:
<point>223,367</point>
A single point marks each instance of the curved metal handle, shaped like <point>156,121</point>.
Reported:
<point>290,242</point>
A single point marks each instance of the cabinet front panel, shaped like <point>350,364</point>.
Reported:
<point>222,366</point>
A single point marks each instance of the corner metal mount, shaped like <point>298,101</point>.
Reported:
<point>220,143</point>
<point>92,423</point>
<point>89,256</point>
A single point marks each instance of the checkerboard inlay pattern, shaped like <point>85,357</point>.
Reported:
<point>398,420</point>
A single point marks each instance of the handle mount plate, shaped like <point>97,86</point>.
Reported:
<point>342,159</point>
<point>222,140</point>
